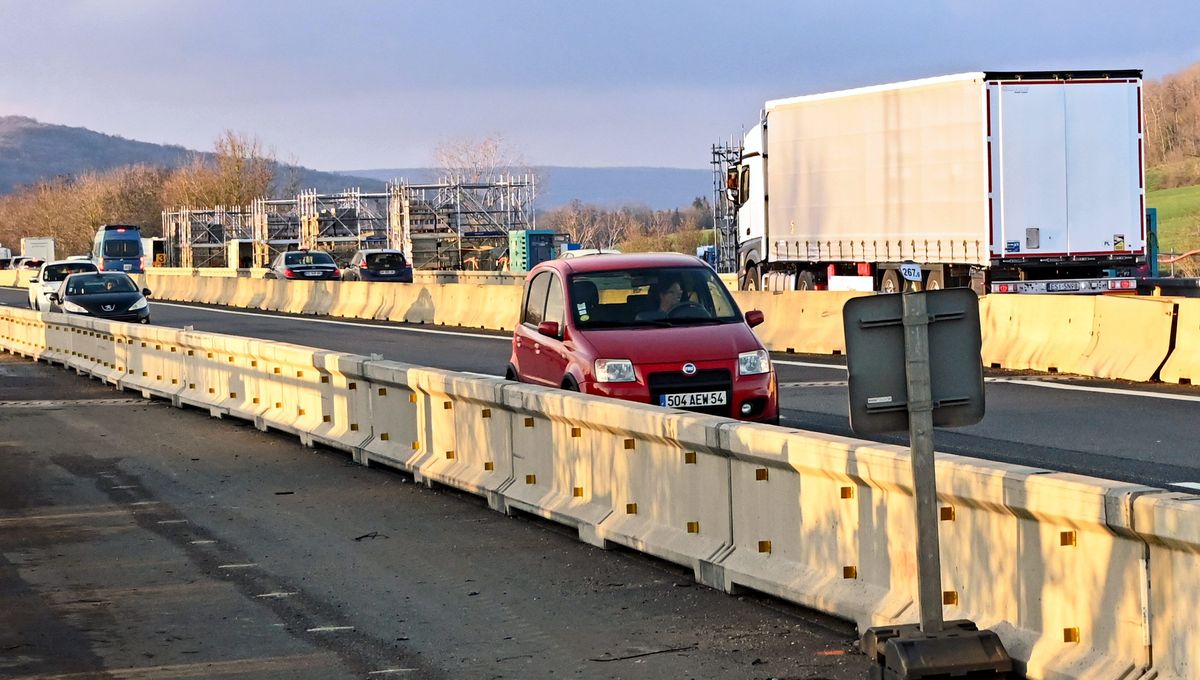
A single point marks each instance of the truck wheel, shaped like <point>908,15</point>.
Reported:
<point>936,280</point>
<point>890,282</point>
<point>806,281</point>
<point>750,278</point>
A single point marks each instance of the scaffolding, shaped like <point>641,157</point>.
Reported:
<point>449,224</point>
<point>725,158</point>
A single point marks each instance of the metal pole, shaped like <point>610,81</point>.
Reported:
<point>920,434</point>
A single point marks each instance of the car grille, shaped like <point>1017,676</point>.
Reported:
<point>712,380</point>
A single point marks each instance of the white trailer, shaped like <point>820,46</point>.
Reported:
<point>40,247</point>
<point>1023,182</point>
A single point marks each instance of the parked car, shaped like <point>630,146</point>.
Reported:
<point>312,265</point>
<point>118,248</point>
<point>49,279</point>
<point>659,329</point>
<point>378,264</point>
<point>106,295</point>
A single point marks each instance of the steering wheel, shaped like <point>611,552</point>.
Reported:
<point>689,310</point>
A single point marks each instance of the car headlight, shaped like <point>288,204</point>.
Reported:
<point>68,306</point>
<point>754,363</point>
<point>140,304</point>
<point>614,370</point>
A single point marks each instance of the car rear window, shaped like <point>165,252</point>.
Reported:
<point>307,258</point>
<point>123,248</point>
<point>84,284</point>
<point>58,272</point>
<point>385,260</point>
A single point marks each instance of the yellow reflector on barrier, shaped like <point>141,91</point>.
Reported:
<point>950,598</point>
<point>693,527</point>
<point>764,546</point>
<point>850,572</point>
<point>761,475</point>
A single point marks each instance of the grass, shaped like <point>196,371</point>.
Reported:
<point>1178,217</point>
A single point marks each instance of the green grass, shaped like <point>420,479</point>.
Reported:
<point>1178,217</point>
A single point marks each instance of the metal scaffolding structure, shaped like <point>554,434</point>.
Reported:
<point>450,224</point>
<point>725,157</point>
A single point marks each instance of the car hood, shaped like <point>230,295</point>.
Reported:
<point>96,302</point>
<point>656,345</point>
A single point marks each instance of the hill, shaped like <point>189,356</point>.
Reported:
<point>1178,218</point>
<point>31,151</point>
<point>657,188</point>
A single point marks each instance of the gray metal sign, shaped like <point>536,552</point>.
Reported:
<point>875,357</point>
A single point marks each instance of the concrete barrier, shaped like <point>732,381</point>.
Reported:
<point>1040,332</point>
<point>1170,523</point>
<point>809,322</point>
<point>1131,337</point>
<point>1183,365</point>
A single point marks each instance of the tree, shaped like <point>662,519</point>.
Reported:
<point>238,171</point>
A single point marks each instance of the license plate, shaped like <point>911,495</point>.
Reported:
<point>128,267</point>
<point>1060,286</point>
<point>312,273</point>
<point>387,272</point>
<point>692,399</point>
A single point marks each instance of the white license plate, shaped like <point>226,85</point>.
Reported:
<point>312,273</point>
<point>128,267</point>
<point>692,399</point>
<point>388,272</point>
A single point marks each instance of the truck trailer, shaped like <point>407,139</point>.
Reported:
<point>1002,181</point>
<point>41,248</point>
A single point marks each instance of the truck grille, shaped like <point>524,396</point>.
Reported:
<point>712,380</point>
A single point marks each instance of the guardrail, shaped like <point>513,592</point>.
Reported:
<point>1080,577</point>
<point>1119,337</point>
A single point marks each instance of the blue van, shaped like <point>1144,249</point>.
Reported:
<point>118,248</point>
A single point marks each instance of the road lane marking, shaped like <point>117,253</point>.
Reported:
<point>275,595</point>
<point>203,542</point>
<point>237,566</point>
<point>808,364</point>
<point>1194,486</point>
<point>326,629</point>
<point>171,521</point>
<point>505,338</point>
<point>393,670</point>
<point>1101,390</point>
<point>47,403</point>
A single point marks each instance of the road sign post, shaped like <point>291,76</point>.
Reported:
<point>890,342</point>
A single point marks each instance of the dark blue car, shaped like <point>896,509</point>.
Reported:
<point>378,264</point>
<point>118,248</point>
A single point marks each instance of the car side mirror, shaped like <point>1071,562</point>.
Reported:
<point>55,298</point>
<point>33,280</point>
<point>754,318</point>
<point>146,292</point>
<point>548,328</point>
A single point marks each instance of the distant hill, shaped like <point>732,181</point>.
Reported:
<point>31,151</point>
<point>658,188</point>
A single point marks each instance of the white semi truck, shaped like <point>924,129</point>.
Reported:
<point>1005,182</point>
<point>41,248</point>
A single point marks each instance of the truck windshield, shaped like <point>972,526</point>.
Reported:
<point>659,296</point>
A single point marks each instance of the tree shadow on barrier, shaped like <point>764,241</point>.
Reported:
<point>423,310</point>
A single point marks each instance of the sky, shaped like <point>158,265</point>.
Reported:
<point>371,84</point>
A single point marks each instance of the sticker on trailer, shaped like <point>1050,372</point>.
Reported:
<point>1012,246</point>
<point>1119,242</point>
<point>910,272</point>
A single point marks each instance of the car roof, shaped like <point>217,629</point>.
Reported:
<point>621,261</point>
<point>71,262</point>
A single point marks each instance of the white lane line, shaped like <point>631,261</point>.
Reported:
<point>126,486</point>
<point>392,670</point>
<point>204,542</point>
<point>237,566</point>
<point>341,323</point>
<point>1194,486</point>
<point>1101,390</point>
<point>326,629</point>
<point>171,521</point>
<point>808,364</point>
<point>275,595</point>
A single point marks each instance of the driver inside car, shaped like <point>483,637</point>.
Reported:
<point>668,294</point>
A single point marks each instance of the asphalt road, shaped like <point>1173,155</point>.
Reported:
<point>1134,432</point>
<point>142,541</point>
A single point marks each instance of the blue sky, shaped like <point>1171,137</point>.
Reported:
<point>368,84</point>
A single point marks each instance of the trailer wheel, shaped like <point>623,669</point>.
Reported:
<point>936,280</point>
<point>890,282</point>
<point>806,281</point>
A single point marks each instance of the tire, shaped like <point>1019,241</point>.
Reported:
<point>569,384</point>
<point>891,282</point>
<point>936,280</point>
<point>751,280</point>
<point>510,373</point>
<point>806,281</point>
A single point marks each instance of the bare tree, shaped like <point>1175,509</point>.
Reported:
<point>476,160</point>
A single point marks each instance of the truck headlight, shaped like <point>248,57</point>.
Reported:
<point>140,304</point>
<point>754,363</point>
<point>614,370</point>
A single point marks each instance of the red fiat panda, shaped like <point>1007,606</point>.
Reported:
<point>656,328</point>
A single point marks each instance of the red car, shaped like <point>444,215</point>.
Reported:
<point>660,329</point>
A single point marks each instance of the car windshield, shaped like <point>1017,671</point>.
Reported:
<point>123,248</point>
<point>307,258</point>
<point>58,272</point>
<point>385,260</point>
<point>666,296</point>
<point>97,284</point>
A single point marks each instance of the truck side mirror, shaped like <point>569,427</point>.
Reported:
<point>754,318</point>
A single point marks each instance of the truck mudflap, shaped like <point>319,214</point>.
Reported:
<point>1077,286</point>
